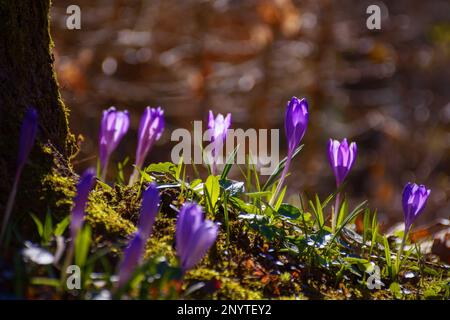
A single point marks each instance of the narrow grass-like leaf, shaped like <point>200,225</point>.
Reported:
<point>229,163</point>
<point>62,226</point>
<point>39,225</point>
<point>274,176</point>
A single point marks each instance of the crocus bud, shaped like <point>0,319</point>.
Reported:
<point>27,135</point>
<point>84,186</point>
<point>131,259</point>
<point>341,157</point>
<point>149,210</point>
<point>414,199</point>
<point>114,125</point>
<point>194,235</point>
<point>218,129</point>
<point>296,122</point>
<point>150,130</point>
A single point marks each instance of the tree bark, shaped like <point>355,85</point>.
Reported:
<point>27,79</point>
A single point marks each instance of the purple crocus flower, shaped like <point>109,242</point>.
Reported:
<point>194,235</point>
<point>149,210</point>
<point>342,156</point>
<point>414,199</point>
<point>114,125</point>
<point>296,122</point>
<point>131,259</point>
<point>28,133</point>
<point>218,128</point>
<point>133,254</point>
<point>150,130</point>
<point>295,125</point>
<point>84,186</point>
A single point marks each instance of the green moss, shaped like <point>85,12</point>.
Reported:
<point>229,288</point>
<point>106,221</point>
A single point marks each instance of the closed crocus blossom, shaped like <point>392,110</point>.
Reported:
<point>341,156</point>
<point>414,199</point>
<point>114,126</point>
<point>296,122</point>
<point>149,210</point>
<point>28,133</point>
<point>295,125</point>
<point>132,258</point>
<point>151,129</point>
<point>84,186</point>
<point>194,235</point>
<point>218,127</point>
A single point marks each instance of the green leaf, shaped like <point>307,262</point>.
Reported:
<point>179,169</point>
<point>258,195</point>
<point>48,227</point>
<point>82,245</point>
<point>342,211</point>
<point>162,167</point>
<point>40,227</point>
<point>280,199</point>
<point>61,226</point>
<point>288,211</point>
<point>349,218</point>
<point>274,176</point>
<point>396,290</point>
<point>212,191</point>
<point>319,209</point>
<point>229,163</point>
<point>40,281</point>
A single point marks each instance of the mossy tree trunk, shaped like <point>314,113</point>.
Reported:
<point>27,79</point>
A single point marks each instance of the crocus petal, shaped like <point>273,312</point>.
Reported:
<point>194,235</point>
<point>27,135</point>
<point>131,259</point>
<point>151,127</point>
<point>84,186</point>
<point>114,126</point>
<point>342,157</point>
<point>296,122</point>
<point>149,210</point>
<point>414,199</point>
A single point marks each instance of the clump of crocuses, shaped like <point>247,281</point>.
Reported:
<point>218,128</point>
<point>114,126</point>
<point>27,138</point>
<point>151,128</point>
<point>341,156</point>
<point>84,186</point>
<point>295,125</point>
<point>194,235</point>
<point>134,253</point>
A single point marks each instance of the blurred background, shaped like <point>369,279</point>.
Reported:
<point>388,90</point>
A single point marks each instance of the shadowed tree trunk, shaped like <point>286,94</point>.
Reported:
<point>27,79</point>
